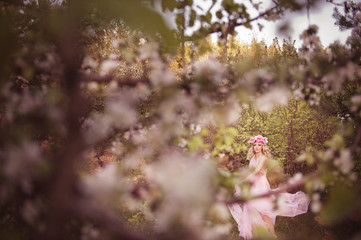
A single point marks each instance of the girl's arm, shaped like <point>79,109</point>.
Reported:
<point>258,168</point>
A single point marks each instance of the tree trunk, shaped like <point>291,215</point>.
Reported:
<point>225,49</point>
<point>183,51</point>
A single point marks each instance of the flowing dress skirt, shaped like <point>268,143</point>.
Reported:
<point>251,213</point>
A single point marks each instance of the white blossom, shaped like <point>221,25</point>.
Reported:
<point>355,36</point>
<point>353,176</point>
<point>30,211</point>
<point>182,143</point>
<point>210,68</point>
<point>195,128</point>
<point>140,136</point>
<point>344,162</point>
<point>126,135</point>
<point>275,97</point>
<point>108,66</point>
<point>134,159</point>
<point>318,185</point>
<point>159,75</point>
<point>220,212</point>
<point>89,233</point>
<point>92,86</point>
<point>149,50</point>
<point>105,186</point>
<point>89,62</point>
<point>299,94</point>
<point>22,162</point>
<point>295,178</point>
<point>233,112</point>
<point>96,128</point>
<point>311,43</point>
<point>89,32</point>
<point>316,206</point>
<point>117,148</point>
<point>117,42</point>
<point>333,81</point>
<point>121,112</point>
<point>185,183</point>
<point>329,154</point>
<point>23,104</point>
<point>316,196</point>
<point>356,99</point>
<point>215,231</point>
<point>256,77</point>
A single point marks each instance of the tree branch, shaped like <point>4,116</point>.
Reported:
<point>108,220</point>
<point>276,191</point>
<point>356,140</point>
<point>131,82</point>
<point>65,178</point>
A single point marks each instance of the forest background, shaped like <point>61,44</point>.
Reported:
<point>114,126</point>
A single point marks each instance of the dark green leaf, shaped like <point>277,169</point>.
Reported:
<point>219,14</point>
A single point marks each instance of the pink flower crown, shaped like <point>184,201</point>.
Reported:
<point>258,139</point>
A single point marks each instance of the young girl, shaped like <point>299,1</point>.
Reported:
<point>262,211</point>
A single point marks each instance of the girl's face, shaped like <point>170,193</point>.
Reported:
<point>257,147</point>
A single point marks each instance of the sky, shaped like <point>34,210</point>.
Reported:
<point>321,16</point>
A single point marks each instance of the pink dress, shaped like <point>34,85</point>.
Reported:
<point>250,214</point>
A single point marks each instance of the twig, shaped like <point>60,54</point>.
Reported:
<point>214,3</point>
<point>246,22</point>
<point>336,4</point>
<point>256,18</point>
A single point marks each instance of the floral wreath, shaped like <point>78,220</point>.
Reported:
<point>258,139</point>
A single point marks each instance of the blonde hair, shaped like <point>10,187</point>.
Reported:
<point>265,150</point>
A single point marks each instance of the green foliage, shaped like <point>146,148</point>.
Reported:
<point>195,143</point>
<point>290,129</point>
<point>340,204</point>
